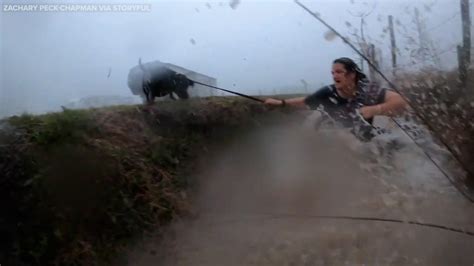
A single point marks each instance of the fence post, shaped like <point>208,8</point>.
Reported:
<point>464,51</point>
<point>393,45</point>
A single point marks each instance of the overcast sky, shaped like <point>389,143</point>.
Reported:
<point>50,58</point>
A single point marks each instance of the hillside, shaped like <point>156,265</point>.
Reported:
<point>79,184</point>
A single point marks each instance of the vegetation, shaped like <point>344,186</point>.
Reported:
<point>80,184</point>
<point>448,108</point>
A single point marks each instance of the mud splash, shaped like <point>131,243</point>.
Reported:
<point>258,201</point>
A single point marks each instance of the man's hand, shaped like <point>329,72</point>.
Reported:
<point>271,101</point>
<point>393,105</point>
<point>368,112</point>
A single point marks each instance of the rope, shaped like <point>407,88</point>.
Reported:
<point>229,91</point>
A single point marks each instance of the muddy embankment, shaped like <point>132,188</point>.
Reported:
<point>79,185</point>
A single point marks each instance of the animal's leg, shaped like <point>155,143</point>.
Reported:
<point>172,96</point>
<point>150,98</point>
<point>146,92</point>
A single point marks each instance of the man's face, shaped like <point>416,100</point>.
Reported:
<point>342,79</point>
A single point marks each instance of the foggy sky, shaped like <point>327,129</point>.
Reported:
<point>48,59</point>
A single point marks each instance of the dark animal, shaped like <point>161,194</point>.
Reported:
<point>154,79</point>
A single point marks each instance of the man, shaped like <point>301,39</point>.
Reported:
<point>351,93</point>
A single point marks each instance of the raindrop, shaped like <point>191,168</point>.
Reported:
<point>330,35</point>
<point>234,3</point>
<point>427,8</point>
<point>429,83</point>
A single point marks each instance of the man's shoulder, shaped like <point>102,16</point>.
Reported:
<point>325,90</point>
<point>373,86</point>
<point>320,95</point>
<point>373,92</point>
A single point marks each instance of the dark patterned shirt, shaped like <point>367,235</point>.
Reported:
<point>343,110</point>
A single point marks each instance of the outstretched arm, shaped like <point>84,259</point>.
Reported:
<point>297,102</point>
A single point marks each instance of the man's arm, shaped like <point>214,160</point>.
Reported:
<point>393,105</point>
<point>297,102</point>
<point>309,102</point>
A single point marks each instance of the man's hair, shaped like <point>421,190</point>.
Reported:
<point>351,67</point>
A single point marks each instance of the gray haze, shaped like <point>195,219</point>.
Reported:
<point>50,58</point>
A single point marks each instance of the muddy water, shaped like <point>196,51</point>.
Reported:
<point>260,202</point>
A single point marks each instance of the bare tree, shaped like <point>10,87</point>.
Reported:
<point>361,40</point>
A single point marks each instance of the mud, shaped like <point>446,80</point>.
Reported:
<point>260,200</point>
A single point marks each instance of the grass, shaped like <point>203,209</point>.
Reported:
<point>80,184</point>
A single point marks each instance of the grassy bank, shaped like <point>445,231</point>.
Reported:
<point>78,185</point>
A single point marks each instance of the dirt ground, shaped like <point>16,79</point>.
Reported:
<point>259,202</point>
